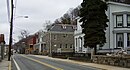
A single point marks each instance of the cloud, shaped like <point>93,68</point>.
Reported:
<point>38,12</point>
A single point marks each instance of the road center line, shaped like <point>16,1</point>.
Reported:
<point>48,65</point>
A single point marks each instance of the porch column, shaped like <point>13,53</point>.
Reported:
<point>76,48</point>
<point>115,42</point>
<point>125,20</point>
<point>40,48</point>
<point>79,45</point>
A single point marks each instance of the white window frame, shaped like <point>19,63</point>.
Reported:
<point>61,45</point>
<point>55,37</point>
<point>119,21</point>
<point>128,20</point>
<point>118,40</point>
<point>128,39</point>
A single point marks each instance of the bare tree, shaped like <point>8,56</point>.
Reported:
<point>69,17</point>
<point>24,34</point>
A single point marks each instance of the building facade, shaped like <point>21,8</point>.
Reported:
<point>60,38</point>
<point>39,48</point>
<point>2,47</point>
<point>117,33</point>
<point>79,40</point>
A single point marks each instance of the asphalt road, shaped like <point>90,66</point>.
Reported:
<point>28,62</point>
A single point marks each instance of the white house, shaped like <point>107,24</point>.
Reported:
<point>39,42</point>
<point>79,40</point>
<point>118,31</point>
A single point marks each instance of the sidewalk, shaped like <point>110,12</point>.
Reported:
<point>101,66</point>
<point>5,64</point>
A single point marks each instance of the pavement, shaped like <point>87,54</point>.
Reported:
<point>5,64</point>
<point>101,66</point>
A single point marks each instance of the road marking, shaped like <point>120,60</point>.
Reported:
<point>18,68</point>
<point>48,65</point>
<point>9,68</point>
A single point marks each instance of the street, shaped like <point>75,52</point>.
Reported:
<point>29,62</point>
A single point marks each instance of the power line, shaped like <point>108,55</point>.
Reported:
<point>15,6</point>
<point>8,10</point>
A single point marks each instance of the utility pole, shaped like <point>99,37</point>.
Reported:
<point>11,30</point>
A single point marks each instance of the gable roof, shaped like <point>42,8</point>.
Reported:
<point>62,28</point>
<point>118,2</point>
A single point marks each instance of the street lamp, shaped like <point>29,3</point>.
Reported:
<point>11,32</point>
<point>21,16</point>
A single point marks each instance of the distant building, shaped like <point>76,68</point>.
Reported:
<point>2,47</point>
<point>26,45</point>
<point>39,46</point>
<point>59,38</point>
<point>31,41</point>
<point>79,40</point>
<point>2,38</point>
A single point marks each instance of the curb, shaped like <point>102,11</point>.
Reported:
<point>9,66</point>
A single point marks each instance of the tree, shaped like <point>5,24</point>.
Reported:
<point>57,21</point>
<point>66,19</point>
<point>93,18</point>
<point>69,17</point>
<point>24,34</point>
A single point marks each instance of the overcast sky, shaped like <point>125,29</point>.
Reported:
<point>38,11</point>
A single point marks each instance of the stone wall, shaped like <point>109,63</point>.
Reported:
<point>122,61</point>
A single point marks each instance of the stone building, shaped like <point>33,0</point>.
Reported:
<point>59,38</point>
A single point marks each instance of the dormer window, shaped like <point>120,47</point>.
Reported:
<point>64,27</point>
<point>119,20</point>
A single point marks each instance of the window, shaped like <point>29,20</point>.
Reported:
<point>65,35</point>
<point>128,20</point>
<point>55,37</point>
<point>60,45</point>
<point>65,45</point>
<point>120,40</point>
<point>64,27</point>
<point>76,42</point>
<point>45,47</point>
<point>42,47</point>
<point>71,45</point>
<point>119,20</point>
<point>128,39</point>
<point>42,39</point>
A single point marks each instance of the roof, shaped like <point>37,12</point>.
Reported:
<point>119,3</point>
<point>62,28</point>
